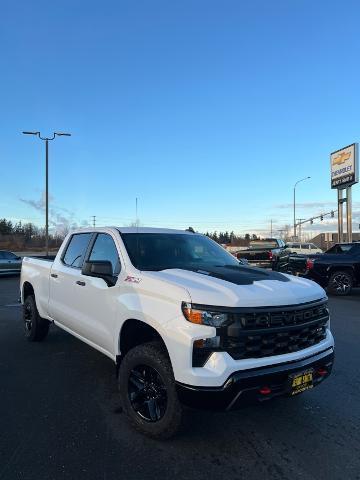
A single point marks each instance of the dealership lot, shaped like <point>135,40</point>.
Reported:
<point>60,416</point>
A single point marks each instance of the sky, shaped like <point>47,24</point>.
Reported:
<point>206,111</point>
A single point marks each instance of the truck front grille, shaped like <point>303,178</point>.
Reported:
<point>264,332</point>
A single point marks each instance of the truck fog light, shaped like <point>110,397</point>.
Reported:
<point>213,342</point>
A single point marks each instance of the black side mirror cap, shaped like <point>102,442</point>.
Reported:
<point>101,269</point>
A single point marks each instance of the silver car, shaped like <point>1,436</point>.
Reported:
<point>9,262</point>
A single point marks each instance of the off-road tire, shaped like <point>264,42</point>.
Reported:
<point>35,327</point>
<point>340,283</point>
<point>153,356</point>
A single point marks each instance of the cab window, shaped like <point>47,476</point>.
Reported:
<point>105,249</point>
<point>76,249</point>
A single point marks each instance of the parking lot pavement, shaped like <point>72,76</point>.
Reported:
<point>60,418</point>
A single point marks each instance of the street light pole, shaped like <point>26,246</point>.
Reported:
<point>46,140</point>
<point>301,180</point>
<point>47,196</point>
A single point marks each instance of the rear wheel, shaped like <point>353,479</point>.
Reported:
<point>148,391</point>
<point>340,283</point>
<point>35,327</point>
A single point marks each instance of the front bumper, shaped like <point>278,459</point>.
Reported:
<point>248,386</point>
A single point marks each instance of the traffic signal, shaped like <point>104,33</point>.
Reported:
<point>321,217</point>
<point>332,214</point>
<point>311,221</point>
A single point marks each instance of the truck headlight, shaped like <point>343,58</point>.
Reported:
<point>196,314</point>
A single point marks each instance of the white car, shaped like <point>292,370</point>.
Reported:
<point>302,248</point>
<point>183,321</point>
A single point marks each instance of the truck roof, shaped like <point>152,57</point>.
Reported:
<point>134,230</point>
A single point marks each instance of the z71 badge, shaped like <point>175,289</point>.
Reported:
<point>131,279</point>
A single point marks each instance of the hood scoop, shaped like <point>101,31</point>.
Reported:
<point>241,275</point>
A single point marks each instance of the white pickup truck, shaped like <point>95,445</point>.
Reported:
<point>182,319</point>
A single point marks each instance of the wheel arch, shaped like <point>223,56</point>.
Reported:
<point>135,332</point>
<point>27,289</point>
<point>342,268</point>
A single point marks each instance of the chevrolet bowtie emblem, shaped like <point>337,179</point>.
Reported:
<point>341,158</point>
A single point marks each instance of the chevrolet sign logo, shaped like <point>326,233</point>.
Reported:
<point>341,158</point>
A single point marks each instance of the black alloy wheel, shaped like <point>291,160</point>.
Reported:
<point>35,327</point>
<point>340,283</point>
<point>147,393</point>
<point>28,318</point>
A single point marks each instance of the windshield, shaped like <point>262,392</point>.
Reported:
<point>159,251</point>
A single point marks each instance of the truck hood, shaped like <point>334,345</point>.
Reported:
<point>241,286</point>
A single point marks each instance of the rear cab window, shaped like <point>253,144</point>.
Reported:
<point>76,249</point>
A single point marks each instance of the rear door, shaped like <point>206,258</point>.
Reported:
<point>65,275</point>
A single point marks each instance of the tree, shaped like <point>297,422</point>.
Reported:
<point>6,226</point>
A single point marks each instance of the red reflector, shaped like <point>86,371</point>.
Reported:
<point>322,372</point>
<point>265,390</point>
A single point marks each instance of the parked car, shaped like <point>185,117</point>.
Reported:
<point>268,253</point>
<point>183,321</point>
<point>338,269</point>
<point>9,262</point>
<point>302,248</point>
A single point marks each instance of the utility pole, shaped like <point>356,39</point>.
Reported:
<point>94,220</point>
<point>46,140</point>
<point>271,228</point>
<point>300,220</point>
<point>281,232</point>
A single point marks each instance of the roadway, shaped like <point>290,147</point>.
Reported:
<point>60,417</point>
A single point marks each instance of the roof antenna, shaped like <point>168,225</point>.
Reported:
<point>190,229</point>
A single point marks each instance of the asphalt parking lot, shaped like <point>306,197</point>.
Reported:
<point>60,417</point>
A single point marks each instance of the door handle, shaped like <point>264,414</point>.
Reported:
<point>82,284</point>
<point>54,275</point>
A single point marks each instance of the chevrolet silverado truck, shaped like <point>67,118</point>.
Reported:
<point>182,320</point>
<point>267,253</point>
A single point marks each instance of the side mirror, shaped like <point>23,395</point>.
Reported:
<point>101,269</point>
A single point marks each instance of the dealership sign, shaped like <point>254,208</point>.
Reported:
<point>344,166</point>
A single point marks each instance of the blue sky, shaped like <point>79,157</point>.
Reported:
<point>207,111</point>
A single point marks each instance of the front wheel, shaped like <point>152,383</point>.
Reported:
<point>340,283</point>
<point>35,327</point>
<point>148,391</point>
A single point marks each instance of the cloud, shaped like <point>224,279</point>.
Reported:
<point>320,205</point>
<point>61,220</point>
<point>308,205</point>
